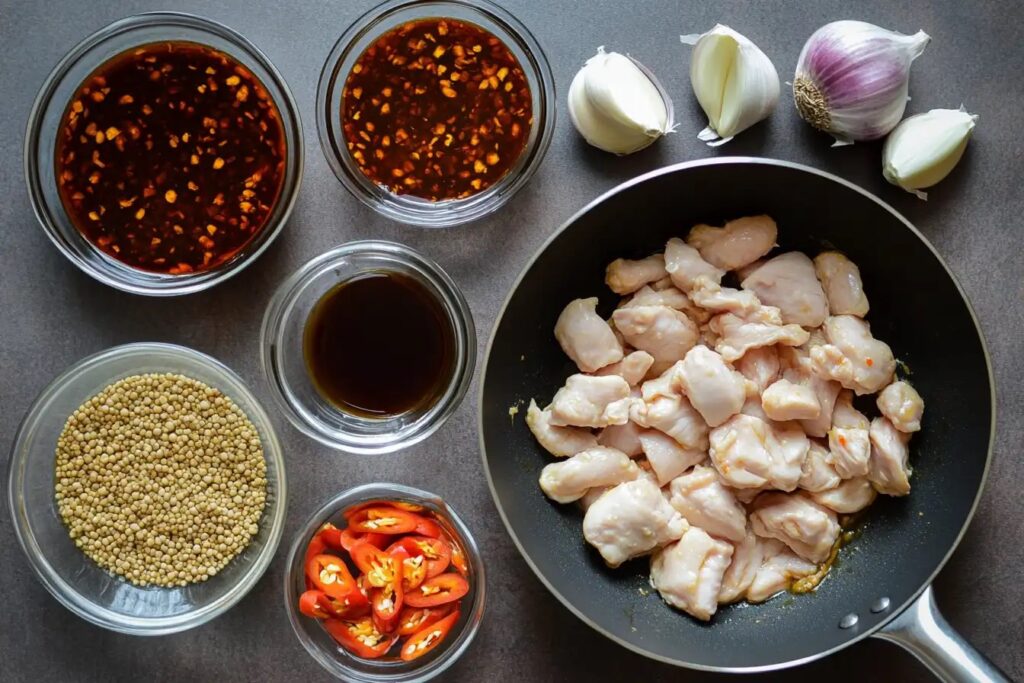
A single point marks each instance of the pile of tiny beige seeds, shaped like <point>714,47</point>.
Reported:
<point>160,479</point>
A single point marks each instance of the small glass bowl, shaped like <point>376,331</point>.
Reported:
<point>75,580</point>
<point>281,345</point>
<point>60,87</point>
<point>415,210</point>
<point>337,660</point>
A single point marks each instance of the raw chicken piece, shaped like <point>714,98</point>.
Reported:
<point>749,453</point>
<point>809,529</point>
<point>818,474</point>
<point>674,416</point>
<point>762,328</point>
<point>631,519</point>
<point>591,495</point>
<point>671,297</point>
<point>711,296</point>
<point>587,401</point>
<point>789,447</point>
<point>567,480</point>
<point>684,265</point>
<point>851,450</point>
<point>904,407</point>
<point>622,437</point>
<point>713,388</point>
<point>760,365</point>
<point>840,279</point>
<point>747,556</point>
<point>632,368</point>
<point>739,243</point>
<point>889,468</point>
<point>624,276</point>
<point>853,495</point>
<point>784,400</point>
<point>688,574</point>
<point>780,567</point>
<point>667,458</point>
<point>663,332</point>
<point>853,357</point>
<point>752,407</point>
<point>665,384</point>
<point>788,282</point>
<point>745,272</point>
<point>586,337</point>
<point>705,502</point>
<point>845,415</point>
<point>558,441</point>
<point>747,496</point>
<point>797,368</point>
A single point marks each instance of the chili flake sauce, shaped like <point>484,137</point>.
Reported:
<point>436,108</point>
<point>170,157</point>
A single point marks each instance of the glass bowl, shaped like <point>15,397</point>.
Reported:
<point>281,346</point>
<point>57,91</point>
<point>319,643</point>
<point>75,580</point>
<point>414,210</point>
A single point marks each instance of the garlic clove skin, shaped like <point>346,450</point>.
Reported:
<point>923,149</point>
<point>735,82</point>
<point>618,106</point>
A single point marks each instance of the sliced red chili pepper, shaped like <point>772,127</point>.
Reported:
<point>429,637</point>
<point>436,552</point>
<point>459,559</point>
<point>348,538</point>
<point>408,507</point>
<point>360,637</point>
<point>319,605</point>
<point>438,590</point>
<point>378,566</point>
<point>330,575</point>
<point>383,520</point>
<point>316,547</point>
<point>387,599</point>
<point>427,527</point>
<point>413,619</point>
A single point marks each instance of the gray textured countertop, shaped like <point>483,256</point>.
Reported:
<point>53,315</point>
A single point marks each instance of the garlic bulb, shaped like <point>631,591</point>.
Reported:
<point>734,81</point>
<point>923,149</point>
<point>851,79</point>
<point>616,105</point>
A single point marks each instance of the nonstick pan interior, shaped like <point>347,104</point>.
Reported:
<point>916,307</point>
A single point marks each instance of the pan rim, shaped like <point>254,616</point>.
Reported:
<point>732,160</point>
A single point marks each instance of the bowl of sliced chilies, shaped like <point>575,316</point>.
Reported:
<point>385,583</point>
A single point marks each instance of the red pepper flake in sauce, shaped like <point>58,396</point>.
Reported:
<point>436,108</point>
<point>170,157</point>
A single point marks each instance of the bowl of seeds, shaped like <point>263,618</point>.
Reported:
<point>147,488</point>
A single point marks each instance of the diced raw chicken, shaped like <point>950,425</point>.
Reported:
<point>818,474</point>
<point>752,407</point>
<point>567,480</point>
<point>789,447</point>
<point>705,502</point>
<point>674,416</point>
<point>747,496</point>
<point>853,357</point>
<point>904,407</point>
<point>630,520</point>
<point>760,365</point>
<point>663,332</point>
<point>747,556</point>
<point>591,495</point>
<point>745,272</point>
<point>889,468</point>
<point>633,368</point>
<point>684,265</point>
<point>809,529</point>
<point>710,295</point>
<point>780,567</point>
<point>784,400</point>
<point>665,384</point>
<point>688,574</point>
<point>667,458</point>
<point>558,441</point>
<point>749,453</point>
<point>845,415</point>
<point>623,437</point>
<point>762,328</point>
<point>739,243</point>
<point>586,337</point>
<point>624,276</point>
<point>788,282</point>
<point>797,368</point>
<point>713,388</point>
<point>853,495</point>
<point>588,401</point>
<point>851,451</point>
<point>840,278</point>
<point>648,296</point>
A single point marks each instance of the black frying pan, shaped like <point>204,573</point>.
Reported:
<point>916,306</point>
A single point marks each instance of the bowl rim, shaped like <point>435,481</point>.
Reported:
<point>666,170</point>
<point>291,122</point>
<point>58,587</point>
<point>451,213</point>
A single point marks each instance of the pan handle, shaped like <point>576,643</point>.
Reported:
<point>924,633</point>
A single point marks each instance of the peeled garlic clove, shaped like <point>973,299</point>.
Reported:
<point>923,149</point>
<point>616,106</point>
<point>734,81</point>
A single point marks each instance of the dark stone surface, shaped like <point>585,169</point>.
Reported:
<point>54,315</point>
